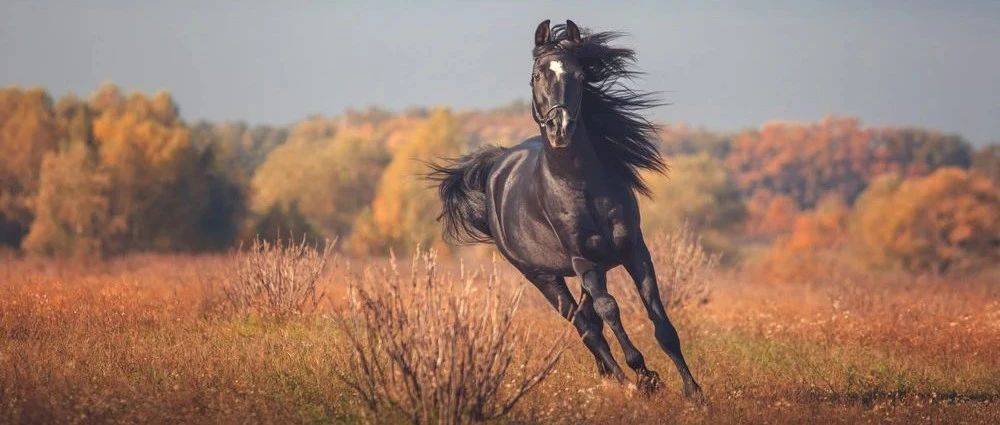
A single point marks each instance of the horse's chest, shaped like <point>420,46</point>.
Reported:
<point>593,228</point>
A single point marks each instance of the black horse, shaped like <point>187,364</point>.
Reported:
<point>564,203</point>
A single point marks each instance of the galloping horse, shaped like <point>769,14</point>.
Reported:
<point>563,203</point>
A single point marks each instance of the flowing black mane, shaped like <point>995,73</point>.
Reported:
<point>611,110</point>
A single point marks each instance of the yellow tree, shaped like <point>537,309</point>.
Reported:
<point>72,216</point>
<point>28,130</point>
<point>405,207</point>
<point>145,149</point>
<point>328,179</point>
<point>128,177</point>
<point>698,191</point>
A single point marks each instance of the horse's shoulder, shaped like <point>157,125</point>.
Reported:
<point>530,144</point>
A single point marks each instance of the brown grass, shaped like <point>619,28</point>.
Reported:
<point>139,340</point>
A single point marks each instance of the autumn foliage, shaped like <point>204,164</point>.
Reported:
<point>947,220</point>
<point>404,209</point>
<point>28,130</point>
<point>117,173</point>
<point>859,278</point>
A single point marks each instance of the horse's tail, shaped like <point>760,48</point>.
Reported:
<point>462,188</point>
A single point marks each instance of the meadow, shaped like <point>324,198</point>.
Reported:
<point>153,338</point>
<point>857,280</point>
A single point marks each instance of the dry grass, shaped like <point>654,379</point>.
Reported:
<point>685,268</point>
<point>277,279</point>
<point>437,349</point>
<point>136,340</point>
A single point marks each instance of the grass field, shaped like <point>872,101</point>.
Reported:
<point>143,339</point>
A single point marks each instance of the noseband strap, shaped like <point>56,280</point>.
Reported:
<point>547,116</point>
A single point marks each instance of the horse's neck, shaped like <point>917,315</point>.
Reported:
<point>569,181</point>
<point>573,165</point>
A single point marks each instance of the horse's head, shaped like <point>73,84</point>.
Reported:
<point>556,85</point>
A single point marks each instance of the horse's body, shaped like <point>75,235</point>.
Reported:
<point>527,220</point>
<point>564,203</point>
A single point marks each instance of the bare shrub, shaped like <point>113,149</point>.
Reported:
<point>683,268</point>
<point>439,350</point>
<point>277,278</point>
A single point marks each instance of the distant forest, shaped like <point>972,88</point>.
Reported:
<point>116,173</point>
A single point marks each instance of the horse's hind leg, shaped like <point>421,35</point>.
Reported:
<point>595,285</point>
<point>583,318</point>
<point>640,268</point>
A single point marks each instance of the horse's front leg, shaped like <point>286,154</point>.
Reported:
<point>583,318</point>
<point>586,312</point>
<point>595,285</point>
<point>640,268</point>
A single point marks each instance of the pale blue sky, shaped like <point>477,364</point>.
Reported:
<point>725,66</point>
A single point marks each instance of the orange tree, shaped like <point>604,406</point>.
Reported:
<point>803,161</point>
<point>812,249</point>
<point>949,220</point>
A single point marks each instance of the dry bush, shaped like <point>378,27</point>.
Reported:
<point>439,350</point>
<point>683,267</point>
<point>277,278</point>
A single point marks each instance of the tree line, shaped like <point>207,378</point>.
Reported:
<point>117,173</point>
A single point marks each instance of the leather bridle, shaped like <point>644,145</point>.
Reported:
<point>547,117</point>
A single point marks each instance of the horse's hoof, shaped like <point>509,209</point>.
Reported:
<point>693,392</point>
<point>649,382</point>
<point>604,371</point>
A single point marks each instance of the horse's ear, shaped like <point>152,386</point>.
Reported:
<point>542,33</point>
<point>572,31</point>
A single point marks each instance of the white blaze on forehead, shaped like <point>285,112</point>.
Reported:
<point>556,66</point>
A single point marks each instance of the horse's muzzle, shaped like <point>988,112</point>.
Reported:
<point>559,128</point>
